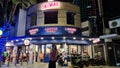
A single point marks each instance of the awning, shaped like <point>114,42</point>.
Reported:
<point>110,36</point>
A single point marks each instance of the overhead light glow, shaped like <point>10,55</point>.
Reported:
<point>53,37</point>
<point>96,40</point>
<point>90,39</point>
<point>50,0</point>
<point>30,38</point>
<point>17,40</point>
<point>64,37</point>
<point>42,38</point>
<point>74,38</point>
<point>12,41</point>
<point>82,38</point>
<point>23,39</point>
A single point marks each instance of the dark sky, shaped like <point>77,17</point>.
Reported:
<point>111,8</point>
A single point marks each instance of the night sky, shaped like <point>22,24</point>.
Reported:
<point>111,8</point>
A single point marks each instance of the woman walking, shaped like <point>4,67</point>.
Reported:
<point>53,57</point>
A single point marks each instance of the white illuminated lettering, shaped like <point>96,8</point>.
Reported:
<point>33,31</point>
<point>70,30</point>
<point>52,29</point>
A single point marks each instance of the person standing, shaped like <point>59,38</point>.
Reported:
<point>5,54</point>
<point>53,57</point>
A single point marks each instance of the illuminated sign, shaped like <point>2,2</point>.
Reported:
<point>26,42</point>
<point>50,5</point>
<point>54,30</point>
<point>51,29</point>
<point>96,40</point>
<point>33,31</point>
<point>70,30</point>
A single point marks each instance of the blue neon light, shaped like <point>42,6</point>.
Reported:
<point>4,36</point>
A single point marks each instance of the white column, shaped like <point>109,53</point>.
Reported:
<point>90,51</point>
<point>31,54</point>
<point>14,54</point>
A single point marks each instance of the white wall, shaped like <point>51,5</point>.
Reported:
<point>21,23</point>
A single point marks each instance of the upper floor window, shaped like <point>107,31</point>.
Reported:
<point>70,18</point>
<point>33,20</point>
<point>51,17</point>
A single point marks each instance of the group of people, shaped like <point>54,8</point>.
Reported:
<point>54,56</point>
<point>14,57</point>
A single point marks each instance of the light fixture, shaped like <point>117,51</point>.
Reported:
<point>90,39</point>
<point>42,38</point>
<point>23,39</point>
<point>53,37</point>
<point>12,41</point>
<point>64,37</point>
<point>82,38</point>
<point>30,38</point>
<point>74,38</point>
<point>17,40</point>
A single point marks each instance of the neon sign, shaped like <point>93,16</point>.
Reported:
<point>70,30</point>
<point>50,5</point>
<point>33,31</point>
<point>52,29</point>
<point>96,40</point>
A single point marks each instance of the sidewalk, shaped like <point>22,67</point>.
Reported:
<point>45,65</point>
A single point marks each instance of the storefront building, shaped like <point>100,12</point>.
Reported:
<point>50,23</point>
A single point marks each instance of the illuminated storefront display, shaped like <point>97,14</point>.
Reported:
<point>54,30</point>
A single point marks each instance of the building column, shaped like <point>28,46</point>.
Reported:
<point>110,55</point>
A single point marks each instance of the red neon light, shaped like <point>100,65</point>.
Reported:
<point>70,30</point>
<point>50,5</point>
<point>52,29</point>
<point>33,31</point>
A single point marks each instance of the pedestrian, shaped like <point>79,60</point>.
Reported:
<point>53,57</point>
<point>5,54</point>
<point>36,56</point>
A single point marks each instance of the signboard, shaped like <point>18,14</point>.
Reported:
<point>53,30</point>
<point>26,42</point>
<point>50,5</point>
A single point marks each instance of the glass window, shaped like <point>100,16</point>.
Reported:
<point>33,20</point>
<point>70,18</point>
<point>51,17</point>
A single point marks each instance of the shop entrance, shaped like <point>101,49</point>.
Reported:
<point>117,54</point>
<point>99,49</point>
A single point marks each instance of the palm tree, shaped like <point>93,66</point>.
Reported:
<point>11,6</point>
<point>7,12</point>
